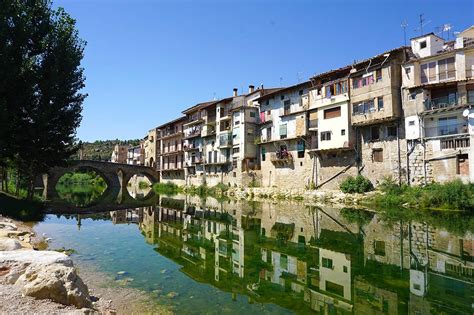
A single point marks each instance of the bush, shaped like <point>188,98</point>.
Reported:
<point>166,188</point>
<point>358,184</point>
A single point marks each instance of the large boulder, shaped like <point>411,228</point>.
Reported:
<point>56,282</point>
<point>8,244</point>
<point>44,275</point>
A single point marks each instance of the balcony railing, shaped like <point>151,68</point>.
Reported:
<point>193,133</point>
<point>208,131</point>
<point>443,102</point>
<point>281,157</point>
<point>190,146</point>
<point>446,130</point>
<point>455,143</point>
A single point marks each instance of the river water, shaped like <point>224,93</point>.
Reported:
<point>205,256</point>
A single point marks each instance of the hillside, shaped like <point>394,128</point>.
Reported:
<point>102,149</point>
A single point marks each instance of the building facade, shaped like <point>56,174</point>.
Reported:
<point>119,154</point>
<point>171,153</point>
<point>438,94</point>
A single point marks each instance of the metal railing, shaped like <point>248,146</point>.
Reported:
<point>193,132</point>
<point>450,100</point>
<point>446,130</point>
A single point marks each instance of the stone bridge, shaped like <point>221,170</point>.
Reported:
<point>116,175</point>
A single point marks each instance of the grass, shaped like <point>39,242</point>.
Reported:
<point>167,189</point>
<point>453,195</point>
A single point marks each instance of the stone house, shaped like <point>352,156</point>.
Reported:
<point>376,116</point>
<point>152,148</point>
<point>171,154</point>
<point>331,136</point>
<point>136,154</point>
<point>284,158</point>
<point>438,93</point>
<point>119,154</point>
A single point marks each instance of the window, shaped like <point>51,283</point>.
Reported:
<point>334,288</point>
<point>282,97</point>
<point>300,92</point>
<point>446,69</point>
<point>300,146</point>
<point>423,44</point>
<point>380,102</point>
<point>375,133</point>
<point>332,112</point>
<point>363,81</point>
<point>327,263</point>
<point>447,126</point>
<point>250,131</point>
<point>416,286</point>
<point>411,123</point>
<point>412,96</point>
<point>286,105</point>
<point>210,157</point>
<point>267,102</point>
<point>283,261</point>
<point>237,122</point>
<point>344,268</point>
<point>379,248</point>
<point>325,136</point>
<point>252,114</point>
<point>363,107</point>
<point>470,96</point>
<point>283,131</point>
<point>269,133</point>
<point>377,155</point>
<point>428,72</point>
<point>462,164</point>
<point>264,153</point>
<point>378,75</point>
<point>336,89</point>
<point>235,150</point>
<point>343,132</point>
<point>391,131</point>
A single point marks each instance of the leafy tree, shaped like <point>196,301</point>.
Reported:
<point>40,83</point>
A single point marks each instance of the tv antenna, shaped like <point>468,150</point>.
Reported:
<point>281,80</point>
<point>423,23</point>
<point>298,75</point>
<point>404,26</point>
<point>445,28</point>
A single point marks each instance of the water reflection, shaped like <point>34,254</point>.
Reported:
<point>312,259</point>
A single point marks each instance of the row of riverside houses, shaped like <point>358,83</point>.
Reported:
<point>406,113</point>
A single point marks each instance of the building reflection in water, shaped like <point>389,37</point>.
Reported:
<point>312,259</point>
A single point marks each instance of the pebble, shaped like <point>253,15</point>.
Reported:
<point>163,271</point>
<point>121,273</point>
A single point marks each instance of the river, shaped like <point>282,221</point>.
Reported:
<point>211,256</point>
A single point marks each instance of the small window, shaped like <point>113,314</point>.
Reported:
<point>264,154</point>
<point>327,263</point>
<point>423,44</point>
<point>267,102</point>
<point>392,131</point>
<point>282,97</point>
<point>252,114</point>
<point>377,155</point>
<point>300,92</point>
<point>378,75</point>
<point>300,154</point>
<point>462,164</point>
<point>416,286</point>
<point>235,150</point>
<point>380,102</point>
<point>411,123</point>
<point>407,70</point>
<point>325,136</point>
<point>412,96</point>
<point>375,133</point>
<point>343,132</point>
<point>344,269</point>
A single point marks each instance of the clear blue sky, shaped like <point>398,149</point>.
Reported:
<point>146,61</point>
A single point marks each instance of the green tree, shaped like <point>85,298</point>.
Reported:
<point>40,83</point>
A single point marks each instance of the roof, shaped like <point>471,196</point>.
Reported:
<point>424,35</point>
<point>199,106</point>
<point>171,122</point>
<point>275,91</point>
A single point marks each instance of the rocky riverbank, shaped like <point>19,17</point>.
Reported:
<point>47,282</point>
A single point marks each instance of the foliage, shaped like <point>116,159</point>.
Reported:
<point>143,185</point>
<point>101,149</point>
<point>359,216</point>
<point>81,189</point>
<point>453,195</point>
<point>40,84</point>
<point>22,210</point>
<point>358,184</point>
<point>167,188</point>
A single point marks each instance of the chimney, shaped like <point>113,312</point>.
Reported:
<point>261,86</point>
<point>251,88</point>
<point>235,92</point>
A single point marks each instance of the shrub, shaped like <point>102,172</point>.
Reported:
<point>358,184</point>
<point>166,188</point>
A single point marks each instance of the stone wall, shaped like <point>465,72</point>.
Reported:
<point>338,164</point>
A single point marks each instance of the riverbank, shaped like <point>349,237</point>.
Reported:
<point>453,195</point>
<point>47,282</point>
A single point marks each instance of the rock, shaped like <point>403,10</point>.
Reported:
<point>9,244</point>
<point>56,282</point>
<point>172,295</point>
<point>121,273</point>
<point>163,271</point>
<point>35,257</point>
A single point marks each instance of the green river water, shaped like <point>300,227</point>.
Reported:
<point>204,256</point>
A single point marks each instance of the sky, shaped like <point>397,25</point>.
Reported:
<point>146,61</point>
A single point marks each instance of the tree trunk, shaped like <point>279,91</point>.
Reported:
<point>31,188</point>
<point>6,180</point>
<point>17,183</point>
